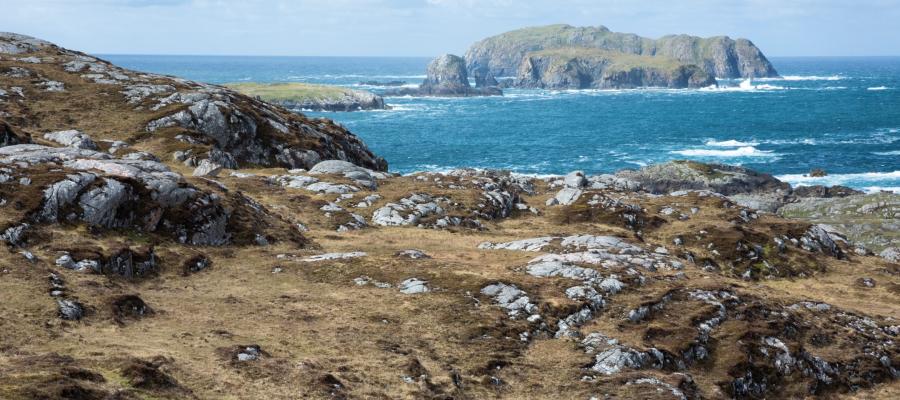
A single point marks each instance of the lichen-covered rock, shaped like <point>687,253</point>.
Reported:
<point>93,188</point>
<point>413,286</point>
<point>250,131</point>
<point>891,254</point>
<point>207,168</point>
<point>690,175</point>
<point>361,176</point>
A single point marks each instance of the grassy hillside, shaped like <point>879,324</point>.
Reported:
<point>291,92</point>
<point>616,60</point>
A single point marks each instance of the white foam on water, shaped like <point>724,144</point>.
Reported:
<point>745,151</point>
<point>887,153</point>
<point>878,189</point>
<point>745,86</point>
<point>729,143</point>
<point>794,78</point>
<point>877,88</point>
<point>865,179</point>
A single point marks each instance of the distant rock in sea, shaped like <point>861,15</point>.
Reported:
<point>306,96</point>
<point>383,84</point>
<point>447,77</point>
<point>720,56</point>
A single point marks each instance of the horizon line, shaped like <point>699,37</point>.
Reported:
<point>421,56</point>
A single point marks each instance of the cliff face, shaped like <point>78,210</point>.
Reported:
<point>48,88</point>
<point>599,69</point>
<point>721,57</point>
<point>447,77</point>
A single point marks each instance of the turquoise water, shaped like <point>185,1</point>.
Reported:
<point>838,114</point>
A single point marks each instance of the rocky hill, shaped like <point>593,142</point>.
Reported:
<point>46,88</point>
<point>310,97</point>
<point>580,68</point>
<point>141,270</point>
<point>720,56</point>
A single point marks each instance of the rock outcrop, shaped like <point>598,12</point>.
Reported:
<point>720,57</point>
<point>690,175</point>
<point>79,186</point>
<point>578,68</point>
<point>447,77</point>
<point>161,114</point>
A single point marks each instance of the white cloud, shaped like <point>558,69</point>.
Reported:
<point>427,27</point>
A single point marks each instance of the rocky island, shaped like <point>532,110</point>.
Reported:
<point>169,239</point>
<point>311,97</point>
<point>720,57</point>
<point>446,77</point>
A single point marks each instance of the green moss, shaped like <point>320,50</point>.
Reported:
<point>291,92</point>
<point>616,61</point>
<point>707,170</point>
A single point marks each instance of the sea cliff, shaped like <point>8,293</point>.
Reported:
<point>720,57</point>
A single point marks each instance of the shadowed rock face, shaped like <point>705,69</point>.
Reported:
<point>721,57</point>
<point>141,107</point>
<point>447,77</point>
<point>597,69</point>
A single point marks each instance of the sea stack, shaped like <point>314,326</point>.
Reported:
<point>447,77</point>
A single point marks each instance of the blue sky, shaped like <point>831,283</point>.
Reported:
<point>431,27</point>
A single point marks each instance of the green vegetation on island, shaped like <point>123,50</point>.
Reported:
<point>308,96</point>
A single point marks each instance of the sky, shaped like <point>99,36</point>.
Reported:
<point>432,27</point>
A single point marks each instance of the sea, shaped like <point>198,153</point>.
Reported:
<point>839,114</point>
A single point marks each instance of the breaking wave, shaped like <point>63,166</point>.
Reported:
<point>867,180</point>
<point>730,143</point>
<point>745,151</point>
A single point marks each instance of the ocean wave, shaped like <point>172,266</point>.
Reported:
<point>729,143</point>
<point>878,189</point>
<point>745,151</point>
<point>877,88</point>
<point>794,78</point>
<point>745,86</point>
<point>887,153</point>
<point>859,180</point>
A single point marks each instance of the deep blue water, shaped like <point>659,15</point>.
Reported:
<point>839,114</point>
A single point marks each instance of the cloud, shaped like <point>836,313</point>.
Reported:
<point>429,27</point>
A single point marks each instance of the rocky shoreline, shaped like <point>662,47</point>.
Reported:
<point>169,239</point>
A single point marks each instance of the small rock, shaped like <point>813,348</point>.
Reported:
<point>249,353</point>
<point>891,254</point>
<point>413,286</point>
<point>412,254</point>
<point>866,282</point>
<point>575,180</point>
<point>207,168</point>
<point>70,310</point>
<point>72,138</point>
<point>334,256</point>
